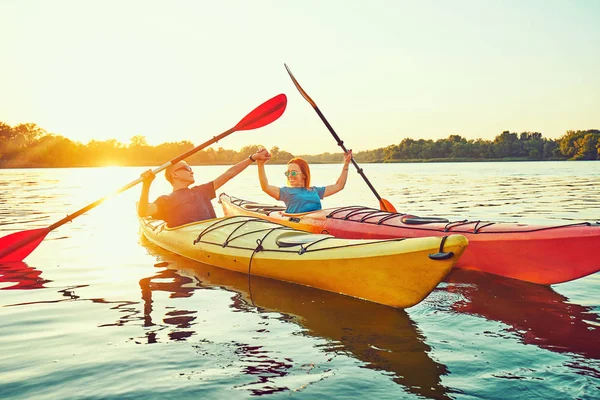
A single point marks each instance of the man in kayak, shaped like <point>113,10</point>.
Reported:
<point>298,195</point>
<point>187,204</point>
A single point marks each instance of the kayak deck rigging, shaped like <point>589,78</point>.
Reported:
<point>294,239</point>
<point>407,219</point>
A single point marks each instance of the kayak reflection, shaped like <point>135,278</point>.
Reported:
<point>382,337</point>
<point>536,313</point>
<point>20,276</point>
<point>178,286</point>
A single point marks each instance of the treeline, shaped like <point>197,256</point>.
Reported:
<point>574,145</point>
<point>27,145</point>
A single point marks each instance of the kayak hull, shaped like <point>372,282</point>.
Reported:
<point>397,273</point>
<point>539,254</point>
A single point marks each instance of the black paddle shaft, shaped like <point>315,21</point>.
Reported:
<point>340,143</point>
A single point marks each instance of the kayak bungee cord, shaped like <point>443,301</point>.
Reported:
<point>386,216</point>
<point>238,222</point>
<point>258,248</point>
<point>243,220</point>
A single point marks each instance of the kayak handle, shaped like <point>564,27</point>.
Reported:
<point>441,254</point>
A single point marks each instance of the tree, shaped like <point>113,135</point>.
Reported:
<point>389,152</point>
<point>43,152</point>
<point>532,145</point>
<point>16,139</point>
<point>586,147</point>
<point>138,150</point>
<point>138,141</point>
<point>506,145</point>
<point>579,145</point>
<point>246,151</point>
<point>551,150</point>
<point>278,155</point>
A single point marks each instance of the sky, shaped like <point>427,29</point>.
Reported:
<point>379,70</point>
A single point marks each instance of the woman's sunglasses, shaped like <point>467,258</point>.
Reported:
<point>292,173</point>
<point>186,167</point>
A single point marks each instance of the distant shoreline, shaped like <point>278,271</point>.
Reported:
<point>445,160</point>
<point>29,146</point>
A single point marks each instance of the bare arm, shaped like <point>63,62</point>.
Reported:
<point>271,190</point>
<point>341,181</point>
<point>239,167</point>
<point>146,209</point>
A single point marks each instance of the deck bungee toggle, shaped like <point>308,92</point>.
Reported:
<point>441,254</point>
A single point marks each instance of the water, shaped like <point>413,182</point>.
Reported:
<point>94,313</point>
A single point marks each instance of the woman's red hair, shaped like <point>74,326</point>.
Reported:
<point>304,168</point>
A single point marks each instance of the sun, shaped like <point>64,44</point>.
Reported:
<point>110,163</point>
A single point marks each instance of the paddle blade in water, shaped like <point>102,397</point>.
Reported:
<point>385,205</point>
<point>16,246</point>
<point>264,114</point>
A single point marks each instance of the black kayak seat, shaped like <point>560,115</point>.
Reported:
<point>272,208</point>
<point>410,220</point>
<point>300,239</point>
<point>254,206</point>
<point>262,208</point>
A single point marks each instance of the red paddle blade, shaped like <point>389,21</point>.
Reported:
<point>16,246</point>
<point>264,114</point>
<point>385,205</point>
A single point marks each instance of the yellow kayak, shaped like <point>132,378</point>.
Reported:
<point>395,272</point>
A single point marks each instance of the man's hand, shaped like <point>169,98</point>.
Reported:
<point>262,156</point>
<point>148,177</point>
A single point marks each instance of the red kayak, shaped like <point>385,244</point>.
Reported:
<point>533,253</point>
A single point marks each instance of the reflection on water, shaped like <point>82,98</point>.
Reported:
<point>536,313</point>
<point>180,321</point>
<point>384,338</point>
<point>19,275</point>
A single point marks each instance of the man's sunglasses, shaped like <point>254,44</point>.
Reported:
<point>292,173</point>
<point>186,167</point>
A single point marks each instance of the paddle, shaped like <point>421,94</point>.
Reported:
<point>16,246</point>
<point>383,203</point>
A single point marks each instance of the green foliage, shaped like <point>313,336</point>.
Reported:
<point>27,145</point>
<point>580,145</point>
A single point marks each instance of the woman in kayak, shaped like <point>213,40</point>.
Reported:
<point>187,204</point>
<point>298,195</point>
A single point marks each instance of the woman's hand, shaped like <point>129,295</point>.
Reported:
<point>347,158</point>
<point>262,156</point>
